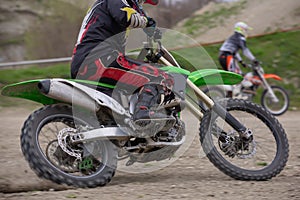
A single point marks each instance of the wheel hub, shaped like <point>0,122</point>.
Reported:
<point>64,142</point>
<point>242,147</point>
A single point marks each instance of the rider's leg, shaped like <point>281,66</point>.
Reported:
<point>150,96</point>
<point>129,74</point>
<point>152,92</point>
<point>226,60</point>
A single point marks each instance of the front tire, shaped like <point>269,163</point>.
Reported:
<point>40,147</point>
<point>266,155</point>
<point>276,108</point>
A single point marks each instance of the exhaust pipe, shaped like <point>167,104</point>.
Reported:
<point>66,92</point>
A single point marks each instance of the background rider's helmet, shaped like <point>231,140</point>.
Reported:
<point>242,28</point>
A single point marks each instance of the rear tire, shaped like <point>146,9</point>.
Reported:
<point>32,147</point>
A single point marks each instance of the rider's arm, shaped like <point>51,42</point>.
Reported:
<point>246,50</point>
<point>238,57</point>
<point>125,15</point>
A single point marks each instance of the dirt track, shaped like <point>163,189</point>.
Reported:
<point>192,176</point>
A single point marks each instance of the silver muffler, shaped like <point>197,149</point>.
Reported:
<point>68,94</point>
<point>79,95</point>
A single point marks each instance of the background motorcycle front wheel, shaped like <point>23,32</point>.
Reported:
<point>39,143</point>
<point>263,158</point>
<point>276,108</point>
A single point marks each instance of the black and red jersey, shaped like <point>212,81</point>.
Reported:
<point>107,20</point>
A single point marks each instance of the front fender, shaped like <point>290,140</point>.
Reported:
<point>272,76</point>
<point>214,77</point>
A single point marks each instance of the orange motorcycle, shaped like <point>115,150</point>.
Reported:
<point>274,98</point>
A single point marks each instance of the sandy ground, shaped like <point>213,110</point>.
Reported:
<point>192,176</point>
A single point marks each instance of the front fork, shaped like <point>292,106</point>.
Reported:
<point>222,112</point>
<point>268,88</point>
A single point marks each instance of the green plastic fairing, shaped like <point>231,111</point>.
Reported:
<point>29,90</point>
<point>214,77</point>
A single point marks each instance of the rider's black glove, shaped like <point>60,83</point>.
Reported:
<point>151,22</point>
<point>242,63</point>
<point>157,35</point>
<point>255,63</point>
<point>150,28</point>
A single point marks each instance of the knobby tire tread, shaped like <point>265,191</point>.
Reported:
<point>238,173</point>
<point>43,170</point>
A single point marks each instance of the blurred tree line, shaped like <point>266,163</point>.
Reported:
<point>169,12</point>
<point>41,29</point>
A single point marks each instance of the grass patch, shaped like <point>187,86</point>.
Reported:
<point>198,24</point>
<point>8,76</point>
<point>50,35</point>
<point>12,41</point>
<point>262,164</point>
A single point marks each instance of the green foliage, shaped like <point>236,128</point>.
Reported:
<point>11,41</point>
<point>8,76</point>
<point>50,35</point>
<point>262,164</point>
<point>198,24</point>
<point>71,196</point>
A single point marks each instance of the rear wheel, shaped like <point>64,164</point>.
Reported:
<point>261,158</point>
<point>46,145</point>
<point>276,108</point>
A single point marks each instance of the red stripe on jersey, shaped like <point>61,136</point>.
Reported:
<point>127,77</point>
<point>100,71</point>
<point>147,69</point>
<point>93,20</point>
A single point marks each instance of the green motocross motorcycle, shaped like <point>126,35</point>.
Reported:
<point>84,128</point>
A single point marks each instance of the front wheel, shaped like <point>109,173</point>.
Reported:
<point>46,145</point>
<point>276,107</point>
<point>261,158</point>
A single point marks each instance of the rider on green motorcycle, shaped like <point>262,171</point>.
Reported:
<point>96,58</point>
